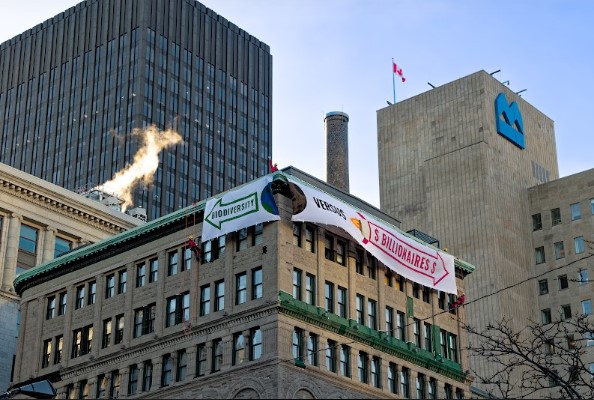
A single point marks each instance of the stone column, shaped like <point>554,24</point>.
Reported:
<point>12,252</point>
<point>49,244</point>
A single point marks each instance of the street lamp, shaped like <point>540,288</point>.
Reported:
<point>38,390</point>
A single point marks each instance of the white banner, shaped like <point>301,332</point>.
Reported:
<point>246,206</point>
<point>407,257</point>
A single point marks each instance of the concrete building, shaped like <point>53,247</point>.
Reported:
<point>457,162</point>
<point>75,87</point>
<point>276,310</point>
<point>38,222</point>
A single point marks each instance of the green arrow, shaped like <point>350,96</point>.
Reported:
<point>225,212</point>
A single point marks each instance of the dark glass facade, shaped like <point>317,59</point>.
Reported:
<point>74,89</point>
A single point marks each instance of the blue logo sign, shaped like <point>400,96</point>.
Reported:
<point>509,121</point>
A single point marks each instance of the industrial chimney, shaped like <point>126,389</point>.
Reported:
<point>337,149</point>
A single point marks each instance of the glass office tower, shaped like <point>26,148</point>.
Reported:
<point>74,89</point>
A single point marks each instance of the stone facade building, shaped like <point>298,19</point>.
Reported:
<point>274,310</point>
<point>38,222</point>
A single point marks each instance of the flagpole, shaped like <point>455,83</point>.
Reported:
<point>393,82</point>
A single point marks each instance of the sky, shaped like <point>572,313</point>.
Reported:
<point>336,55</point>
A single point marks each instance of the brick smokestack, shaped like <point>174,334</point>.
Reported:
<point>337,149</point>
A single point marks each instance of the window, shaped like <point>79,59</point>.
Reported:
<point>106,333</point>
<point>182,366</point>
<point>297,284</point>
<point>376,368</point>
<point>579,244</point>
<point>80,297</point>
<point>298,344</point>
<point>257,234</point>
<point>543,287</point>
<point>312,349</point>
<point>47,353</point>
<point>390,321</point>
<point>154,270</point>
<point>217,355</point>
<point>28,239</point>
<point>242,236</point>
<point>453,347</point>
<point>583,276</point>
<point>122,279</point>
<point>400,326</point>
<point>240,288</point>
<point>81,341</point>
<point>448,392</point>
<point>238,349</point>
<point>345,361</point>
<point>545,316</point>
<point>587,307</point>
<point>359,261</point>
<point>371,266</point>
<point>172,263</point>
<point>101,386</point>
<point>63,303</point>
<point>142,326</point>
<point>360,304</point>
<point>133,379</point>
<point>426,294</point>
<point>592,206</point>
<point>109,286</point>
<point>140,274</point>
<point>443,341</point>
<point>166,370</point>
<point>417,332</point>
<point>329,247</point>
<point>563,283</point>
<point>310,289</point>
<point>432,389</point>
<point>372,314</point>
<point>187,264</point>
<point>539,255</point>
<point>331,355</point>
<point>297,234</point>
<point>441,300</point>
<point>178,309</point>
<point>201,360</point>
<point>257,283</point>
<point>340,252</point>
<point>114,385</point>
<point>219,295</point>
<point>256,344</point>
<point>119,334</point>
<point>50,311</point>
<point>556,216</point>
<point>399,282</point>
<point>392,376</point>
<point>549,346</point>
<point>310,238</point>
<point>59,347</point>
<point>420,383</point>
<point>559,250</point>
<point>427,331</point>
<point>83,389</point>
<point>415,290</point>
<point>204,300</point>
<point>362,366</point>
<point>459,393</point>
<point>147,376</point>
<point>342,302</point>
<point>536,222</point>
<point>405,382</point>
<point>566,311</point>
<point>575,211</point>
<point>92,293</point>
<point>589,336</point>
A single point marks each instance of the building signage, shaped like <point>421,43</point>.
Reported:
<point>404,255</point>
<point>248,205</point>
<point>509,121</point>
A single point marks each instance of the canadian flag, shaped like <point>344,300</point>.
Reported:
<point>398,71</point>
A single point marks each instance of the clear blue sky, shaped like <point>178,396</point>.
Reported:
<point>335,55</point>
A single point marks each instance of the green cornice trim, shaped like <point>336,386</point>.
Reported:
<point>378,340</point>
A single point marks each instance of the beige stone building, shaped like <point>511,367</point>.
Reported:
<point>279,310</point>
<point>445,168</point>
<point>39,221</point>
